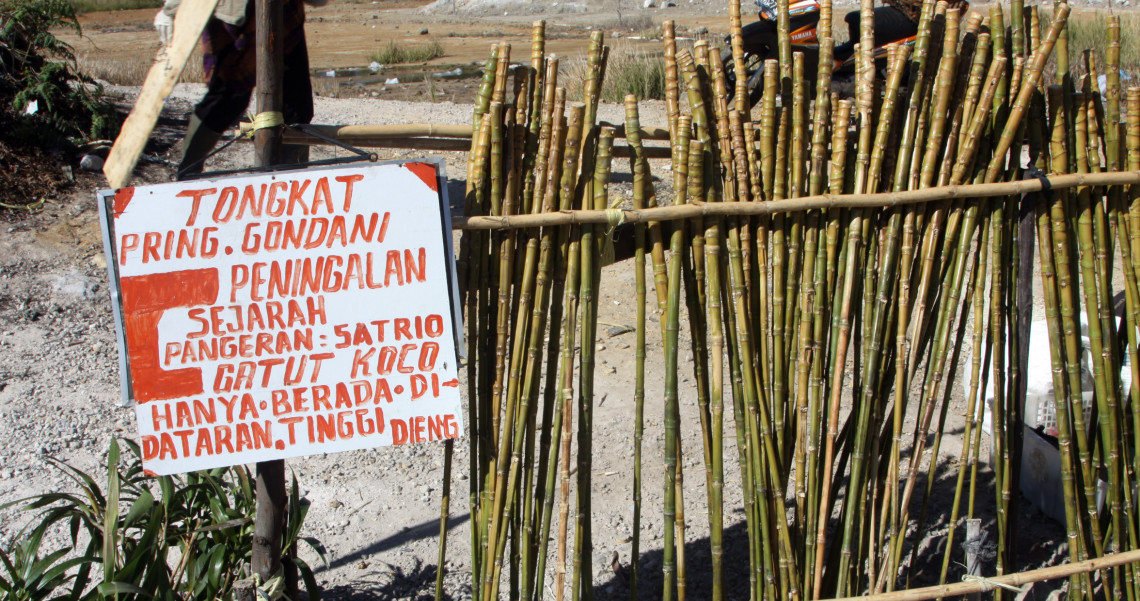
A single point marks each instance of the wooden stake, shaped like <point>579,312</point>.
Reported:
<point>160,80</point>
<point>269,520</point>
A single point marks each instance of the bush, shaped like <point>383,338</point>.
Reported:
<point>394,53</point>
<point>629,70</point>
<point>38,70</point>
<point>164,538</point>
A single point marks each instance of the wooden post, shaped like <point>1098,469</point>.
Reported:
<point>269,521</point>
<point>1027,245</point>
<point>973,552</point>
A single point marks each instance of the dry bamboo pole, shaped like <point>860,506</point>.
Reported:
<point>990,584</point>
<point>827,201</point>
<point>865,91</point>
<point>571,252</point>
<point>735,27</point>
<point>672,91</point>
<point>640,170</point>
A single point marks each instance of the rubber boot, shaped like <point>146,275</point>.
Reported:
<point>199,142</point>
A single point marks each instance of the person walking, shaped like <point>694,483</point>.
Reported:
<point>230,64</point>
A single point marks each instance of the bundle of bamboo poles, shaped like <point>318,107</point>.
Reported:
<point>822,328</point>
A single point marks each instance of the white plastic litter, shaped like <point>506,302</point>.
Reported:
<point>1102,82</point>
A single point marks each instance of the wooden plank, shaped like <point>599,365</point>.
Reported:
<point>188,24</point>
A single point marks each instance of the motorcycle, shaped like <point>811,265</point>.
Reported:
<point>892,26</point>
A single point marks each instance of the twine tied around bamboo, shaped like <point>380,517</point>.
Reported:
<point>265,120</point>
<point>992,584</point>
<point>614,218</point>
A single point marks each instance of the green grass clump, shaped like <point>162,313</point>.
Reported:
<point>395,53</point>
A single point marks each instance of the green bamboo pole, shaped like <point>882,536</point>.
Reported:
<point>1057,353</point>
<point>1098,311</point>
<point>590,274</point>
<point>669,561</point>
<point>536,469</point>
<point>550,287</point>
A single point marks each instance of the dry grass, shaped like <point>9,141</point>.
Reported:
<point>131,71</point>
<point>630,70</point>
<point>88,6</point>
<point>1088,31</point>
<point>396,53</point>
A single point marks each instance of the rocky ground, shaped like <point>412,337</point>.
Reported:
<point>376,511</point>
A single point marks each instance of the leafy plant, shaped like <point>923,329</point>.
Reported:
<point>164,538</point>
<point>38,71</point>
<point>25,576</point>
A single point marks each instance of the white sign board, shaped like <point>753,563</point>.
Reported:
<point>285,314</point>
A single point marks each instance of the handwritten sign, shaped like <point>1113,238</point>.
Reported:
<point>285,314</point>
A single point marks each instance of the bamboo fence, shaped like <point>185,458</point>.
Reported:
<point>830,258</point>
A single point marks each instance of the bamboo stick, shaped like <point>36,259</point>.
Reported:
<point>806,203</point>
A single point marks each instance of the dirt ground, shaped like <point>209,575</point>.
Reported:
<point>377,511</point>
<point>343,35</point>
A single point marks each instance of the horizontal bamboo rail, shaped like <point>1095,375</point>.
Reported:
<point>429,136</point>
<point>982,585</point>
<point>791,205</point>
<point>349,133</point>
